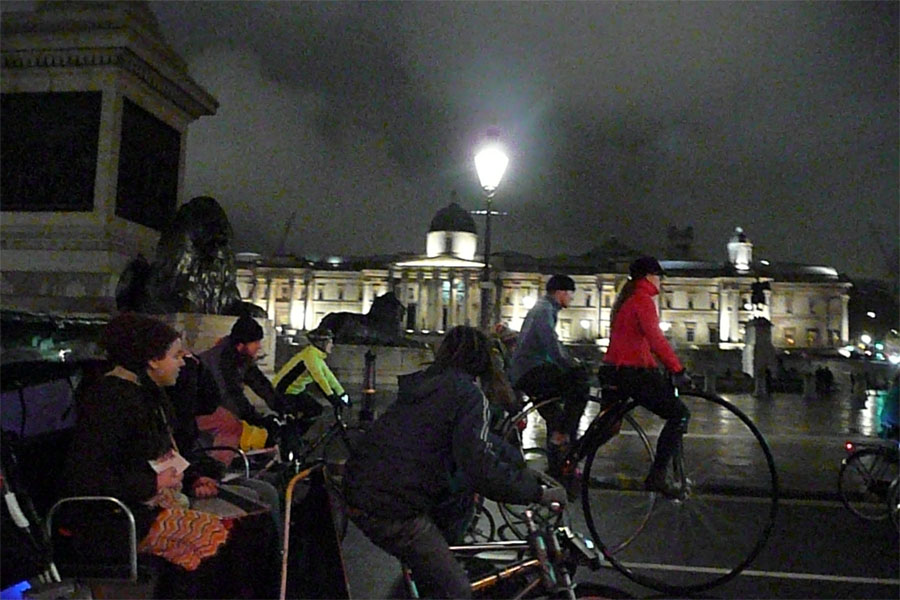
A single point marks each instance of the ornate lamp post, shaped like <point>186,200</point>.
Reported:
<point>490,162</point>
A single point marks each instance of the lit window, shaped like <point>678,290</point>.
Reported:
<point>790,336</point>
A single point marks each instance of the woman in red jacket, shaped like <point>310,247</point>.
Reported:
<point>636,341</point>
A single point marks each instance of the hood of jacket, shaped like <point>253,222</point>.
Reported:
<point>416,387</point>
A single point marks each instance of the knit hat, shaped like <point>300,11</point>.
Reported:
<point>645,265</point>
<point>560,282</point>
<point>246,330</point>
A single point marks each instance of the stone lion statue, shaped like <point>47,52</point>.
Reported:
<point>194,269</point>
<point>381,325</point>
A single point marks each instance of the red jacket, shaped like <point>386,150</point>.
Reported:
<point>636,335</point>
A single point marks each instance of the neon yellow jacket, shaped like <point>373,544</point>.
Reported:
<point>304,367</point>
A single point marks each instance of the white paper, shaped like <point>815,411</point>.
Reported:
<point>172,459</point>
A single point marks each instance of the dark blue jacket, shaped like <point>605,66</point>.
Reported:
<point>432,443</point>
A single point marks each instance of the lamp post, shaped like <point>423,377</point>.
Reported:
<point>490,162</point>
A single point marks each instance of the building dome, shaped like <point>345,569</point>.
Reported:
<point>453,218</point>
<point>452,233</point>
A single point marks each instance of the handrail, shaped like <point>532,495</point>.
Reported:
<point>132,531</point>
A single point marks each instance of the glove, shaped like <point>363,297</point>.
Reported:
<point>681,379</point>
<point>551,495</point>
<point>342,400</point>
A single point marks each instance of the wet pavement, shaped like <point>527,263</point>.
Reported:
<point>806,437</point>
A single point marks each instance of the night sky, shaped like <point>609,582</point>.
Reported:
<point>620,119</point>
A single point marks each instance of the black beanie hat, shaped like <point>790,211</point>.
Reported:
<point>560,282</point>
<point>645,265</point>
<point>246,330</point>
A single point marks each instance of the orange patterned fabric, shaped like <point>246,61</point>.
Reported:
<point>185,537</point>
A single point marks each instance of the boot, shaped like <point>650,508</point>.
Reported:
<point>658,481</point>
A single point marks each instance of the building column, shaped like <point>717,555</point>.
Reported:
<point>270,298</point>
<point>259,291</point>
<point>309,304</point>
<point>845,319</point>
<point>295,309</point>
<point>453,320</point>
<point>421,301</point>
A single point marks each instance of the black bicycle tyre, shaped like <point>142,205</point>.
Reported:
<point>482,528</point>
<point>600,480</point>
<point>858,481</point>
<point>768,501</point>
<point>893,499</point>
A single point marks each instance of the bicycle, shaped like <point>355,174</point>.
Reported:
<point>867,480</point>
<point>294,455</point>
<point>692,532</point>
<point>542,564</point>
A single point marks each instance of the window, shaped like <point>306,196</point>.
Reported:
<point>669,300</point>
<point>359,296</point>
<point>340,292</point>
<point>790,336</point>
<point>606,300</point>
<point>812,337</point>
<point>565,328</point>
<point>788,303</point>
<point>587,299</point>
<point>713,333</point>
<point>412,294</point>
<point>713,301</point>
<point>690,331</point>
<point>320,292</point>
<point>691,301</point>
<point>812,306</point>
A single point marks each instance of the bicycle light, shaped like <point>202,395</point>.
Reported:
<point>522,424</point>
<point>848,446</point>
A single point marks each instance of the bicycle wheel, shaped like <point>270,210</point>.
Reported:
<point>525,431</point>
<point>615,475</point>
<point>482,528</point>
<point>894,502</point>
<point>722,518</point>
<point>863,483</point>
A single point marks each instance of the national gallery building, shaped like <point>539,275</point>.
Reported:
<point>703,303</point>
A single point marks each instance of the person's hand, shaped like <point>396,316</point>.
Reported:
<point>554,495</point>
<point>170,478</point>
<point>681,379</point>
<point>205,487</point>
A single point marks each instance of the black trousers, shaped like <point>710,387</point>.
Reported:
<point>571,385</point>
<point>652,390</point>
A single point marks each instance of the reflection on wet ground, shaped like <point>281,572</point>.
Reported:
<point>806,436</point>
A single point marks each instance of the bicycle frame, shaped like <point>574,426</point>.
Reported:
<point>548,552</point>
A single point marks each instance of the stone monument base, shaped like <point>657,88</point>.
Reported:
<point>348,363</point>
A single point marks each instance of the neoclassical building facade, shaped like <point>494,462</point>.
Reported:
<point>703,303</point>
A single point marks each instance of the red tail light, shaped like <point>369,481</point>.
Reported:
<point>522,424</point>
<point>848,446</point>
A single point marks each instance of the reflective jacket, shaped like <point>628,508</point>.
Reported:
<point>307,366</point>
<point>636,337</point>
<point>431,444</point>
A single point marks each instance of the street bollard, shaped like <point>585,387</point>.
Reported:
<point>709,382</point>
<point>367,413</point>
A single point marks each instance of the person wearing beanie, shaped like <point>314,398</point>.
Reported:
<point>635,343</point>
<point>232,363</point>
<point>541,367</point>
<point>306,367</point>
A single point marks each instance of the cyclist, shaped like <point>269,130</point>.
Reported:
<point>541,367</point>
<point>634,340</point>
<point>304,368</point>
<point>408,479</point>
<point>232,362</point>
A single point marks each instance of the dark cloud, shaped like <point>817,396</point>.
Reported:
<point>620,118</point>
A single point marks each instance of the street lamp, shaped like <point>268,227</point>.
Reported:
<point>490,162</point>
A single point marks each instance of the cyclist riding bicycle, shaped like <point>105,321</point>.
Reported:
<point>410,480</point>
<point>304,368</point>
<point>634,341</point>
<point>541,367</point>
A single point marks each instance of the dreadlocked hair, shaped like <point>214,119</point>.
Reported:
<point>466,349</point>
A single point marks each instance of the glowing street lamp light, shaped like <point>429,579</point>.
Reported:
<point>490,162</point>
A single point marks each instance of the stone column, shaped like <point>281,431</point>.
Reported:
<point>309,306</point>
<point>270,298</point>
<point>259,291</point>
<point>845,319</point>
<point>454,305</point>
<point>421,302</point>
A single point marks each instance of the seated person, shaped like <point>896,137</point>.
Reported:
<point>232,363</point>
<point>123,447</point>
<point>430,448</point>
<point>304,368</point>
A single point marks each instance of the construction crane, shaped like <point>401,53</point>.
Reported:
<point>287,227</point>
